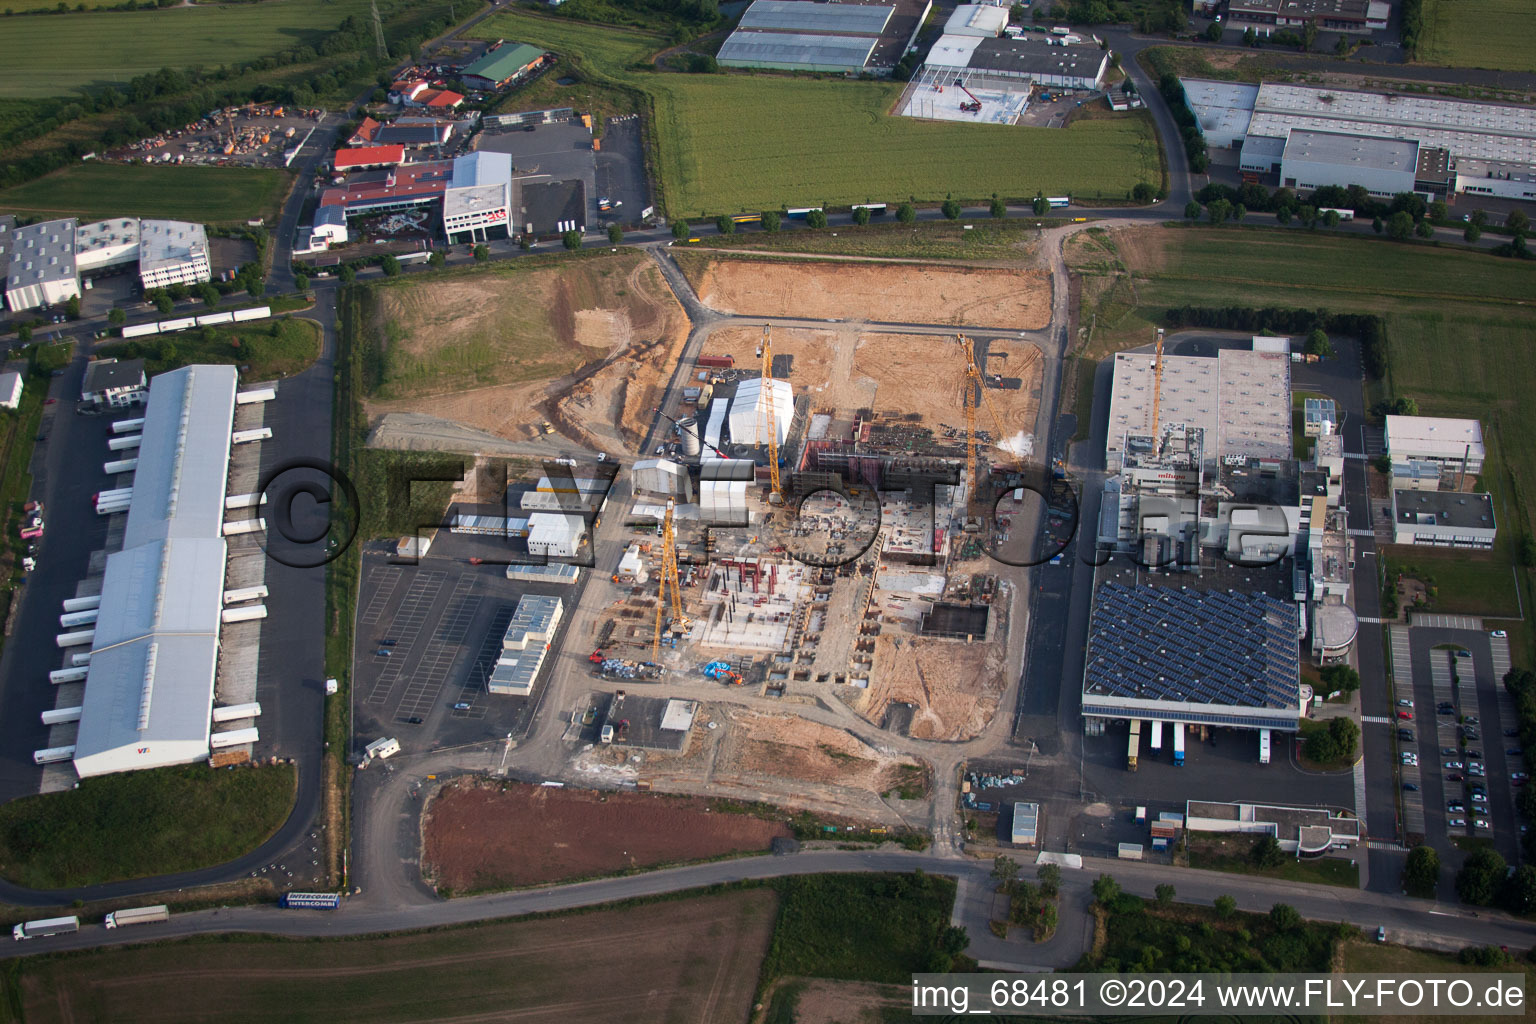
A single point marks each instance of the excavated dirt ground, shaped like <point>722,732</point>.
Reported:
<point>844,370</point>
<point>587,346</point>
<point>784,747</point>
<point>485,834</point>
<point>955,693</point>
<point>893,292</point>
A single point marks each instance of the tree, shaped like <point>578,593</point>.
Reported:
<point>816,219</point>
<point>770,220</point>
<point>1520,890</point>
<point>482,253</point>
<point>1284,917</point>
<point>1225,906</point>
<point>1341,47</point>
<point>1250,37</point>
<point>437,259</point>
<point>525,242</point>
<point>1006,871</point>
<point>24,333</point>
<point>163,303</point>
<point>1341,677</point>
<point>1042,206</point>
<point>1213,32</point>
<point>301,282</point>
<point>72,307</point>
<point>1424,229</point>
<point>725,225</point>
<point>906,213</point>
<point>1331,218</point>
<point>1049,918</point>
<point>1049,876</point>
<point>1319,345</point>
<point>998,209</point>
<point>117,317</point>
<point>1218,211</point>
<point>951,209</point>
<point>1377,225</point>
<point>1191,210</point>
<point>1266,853</point>
<point>209,293</point>
<point>1105,890</point>
<point>1480,218</point>
<point>1283,214</point>
<point>1239,211</point>
<point>1165,894</point>
<point>391,266</point>
<point>1307,214</point>
<point>1438,211</point>
<point>861,216</point>
<point>1144,193</point>
<point>254,287</point>
<point>1518,222</point>
<point>346,273</point>
<point>679,229</point>
<point>1472,233</point>
<point>1480,876</point>
<point>1421,873</point>
<point>1345,734</point>
<point>1400,225</point>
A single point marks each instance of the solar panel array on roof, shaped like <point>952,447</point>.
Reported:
<point>1204,647</point>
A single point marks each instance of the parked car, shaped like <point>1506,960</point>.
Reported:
<point>1474,753</point>
<point>1469,720</point>
<point>383,652</point>
<point>1453,765</point>
<point>461,706</point>
<point>1518,776</point>
<point>414,720</point>
<point>1498,634</point>
<point>1405,703</point>
<point>1406,716</point>
<point>1463,654</point>
<point>1482,823</point>
<point>1381,933</point>
<point>1412,787</point>
<point>1513,751</point>
<point>1457,823</point>
<point>1454,777</point>
<point>1449,751</point>
<point>1405,734</point>
<point>1479,798</point>
<point>1455,807</point>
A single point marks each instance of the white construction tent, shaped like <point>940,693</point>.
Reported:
<point>751,407</point>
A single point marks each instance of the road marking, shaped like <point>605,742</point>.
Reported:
<point>1375,720</point>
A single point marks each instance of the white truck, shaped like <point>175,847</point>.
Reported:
<point>138,915</point>
<point>48,926</point>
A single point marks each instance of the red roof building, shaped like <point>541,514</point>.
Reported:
<point>398,188</point>
<point>440,99</point>
<point>364,134</point>
<point>368,156</point>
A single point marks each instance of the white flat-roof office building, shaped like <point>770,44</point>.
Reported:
<point>477,203</point>
<point>1455,519</point>
<point>149,690</point>
<point>1454,444</point>
<point>172,252</point>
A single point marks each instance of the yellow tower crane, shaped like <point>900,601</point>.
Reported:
<point>1157,383</point>
<point>767,417</point>
<point>668,585</point>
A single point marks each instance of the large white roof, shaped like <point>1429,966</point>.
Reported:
<point>170,243</point>
<point>149,689</point>
<point>750,408</point>
<point>1434,436</point>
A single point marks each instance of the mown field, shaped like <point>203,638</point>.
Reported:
<point>135,824</point>
<point>735,142</point>
<point>93,191</point>
<point>1496,34</point>
<point>112,47</point>
<point>269,348</point>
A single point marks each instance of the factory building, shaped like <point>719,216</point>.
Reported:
<point>500,65</point>
<point>42,271</point>
<point>173,252</point>
<point>525,645</point>
<point>477,203</point>
<point>1455,445</point>
<point>7,236</point>
<point>149,688</point>
<point>984,20</point>
<point>838,38</point>
<point>1303,831</point>
<point>1451,519</point>
<point>360,158</point>
<point>1051,61</point>
<point>1184,655</point>
<point>106,244</point>
<point>1461,145</point>
<point>10,390</point>
<point>1266,17</point>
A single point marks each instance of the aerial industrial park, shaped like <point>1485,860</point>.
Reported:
<point>469,501</point>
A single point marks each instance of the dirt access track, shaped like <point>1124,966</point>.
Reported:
<point>695,959</point>
<point>856,290</point>
<point>485,834</point>
<point>588,344</point>
<point>844,370</point>
<point>954,687</point>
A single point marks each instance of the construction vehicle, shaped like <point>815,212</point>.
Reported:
<point>971,106</point>
<point>596,657</point>
<point>721,671</point>
<point>768,418</point>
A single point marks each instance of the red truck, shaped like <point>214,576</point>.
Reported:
<point>720,362</point>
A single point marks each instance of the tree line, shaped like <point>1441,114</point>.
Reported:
<point>1368,327</point>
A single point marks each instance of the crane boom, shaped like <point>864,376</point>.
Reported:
<point>1157,383</point>
<point>768,414</point>
<point>976,385</point>
<point>668,584</point>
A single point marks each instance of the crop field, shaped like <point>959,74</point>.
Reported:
<point>692,959</point>
<point>1495,34</point>
<point>93,191</point>
<point>176,37</point>
<point>808,142</point>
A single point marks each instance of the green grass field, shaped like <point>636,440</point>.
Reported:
<point>736,142</point>
<point>136,824</point>
<point>93,191</point>
<point>116,46</point>
<point>1497,34</point>
<point>271,348</point>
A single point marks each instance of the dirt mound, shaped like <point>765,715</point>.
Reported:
<point>954,687</point>
<point>788,747</point>
<point>892,292</point>
<point>479,834</point>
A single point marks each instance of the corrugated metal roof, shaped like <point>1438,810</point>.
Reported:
<point>501,64</point>
<point>804,16</point>
<point>797,48</point>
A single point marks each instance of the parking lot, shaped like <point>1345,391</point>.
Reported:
<point>563,151</point>
<point>428,636</point>
<point>233,139</point>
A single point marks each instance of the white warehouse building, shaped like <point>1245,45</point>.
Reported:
<point>42,270</point>
<point>752,406</point>
<point>478,199</point>
<point>149,689</point>
<point>173,252</point>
